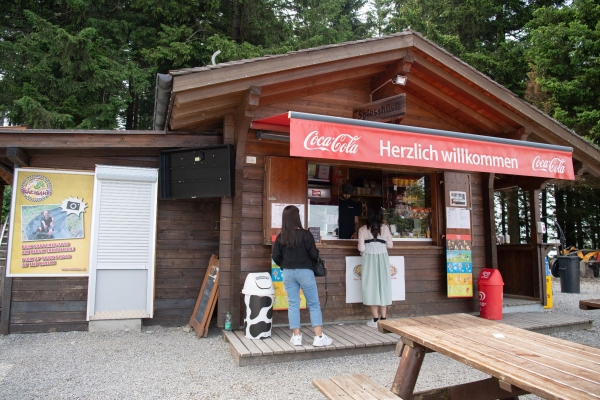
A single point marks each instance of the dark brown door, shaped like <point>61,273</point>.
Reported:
<point>285,183</point>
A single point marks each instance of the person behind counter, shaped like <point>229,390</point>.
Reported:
<point>295,252</point>
<point>373,241</point>
<point>348,213</point>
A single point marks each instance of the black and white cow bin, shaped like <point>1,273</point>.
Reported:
<point>258,296</point>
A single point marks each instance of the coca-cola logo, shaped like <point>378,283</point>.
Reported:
<point>485,275</point>
<point>556,165</point>
<point>316,193</point>
<point>342,143</point>
<point>481,296</point>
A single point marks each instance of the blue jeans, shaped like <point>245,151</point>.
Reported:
<point>294,280</point>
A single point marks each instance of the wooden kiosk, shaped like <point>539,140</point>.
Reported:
<point>360,83</point>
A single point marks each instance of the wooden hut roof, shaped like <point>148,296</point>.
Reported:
<point>437,80</point>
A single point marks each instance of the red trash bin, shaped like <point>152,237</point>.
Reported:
<point>491,286</point>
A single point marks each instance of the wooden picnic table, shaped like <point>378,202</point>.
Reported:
<point>591,304</point>
<point>518,361</point>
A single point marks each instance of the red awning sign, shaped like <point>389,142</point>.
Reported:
<point>317,136</point>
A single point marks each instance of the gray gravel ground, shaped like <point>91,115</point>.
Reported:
<point>165,363</point>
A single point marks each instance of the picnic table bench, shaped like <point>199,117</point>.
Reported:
<point>592,304</point>
<point>518,361</point>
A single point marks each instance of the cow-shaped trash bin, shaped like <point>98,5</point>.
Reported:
<point>258,296</point>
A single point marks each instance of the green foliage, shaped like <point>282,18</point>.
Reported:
<point>563,52</point>
<point>485,34</point>
<point>6,203</point>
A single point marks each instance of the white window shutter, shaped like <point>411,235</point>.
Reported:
<point>123,242</point>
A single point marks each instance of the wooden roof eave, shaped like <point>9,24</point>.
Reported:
<point>291,61</point>
<point>503,100</point>
<point>60,139</point>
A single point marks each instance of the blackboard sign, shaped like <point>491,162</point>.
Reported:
<point>210,284</point>
<point>316,232</point>
<point>207,298</point>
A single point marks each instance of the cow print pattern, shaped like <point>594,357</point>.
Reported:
<point>259,316</point>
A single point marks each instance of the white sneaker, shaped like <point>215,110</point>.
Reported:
<point>296,340</point>
<point>372,323</point>
<point>324,340</point>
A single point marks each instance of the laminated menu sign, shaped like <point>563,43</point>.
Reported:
<point>458,218</point>
<point>50,223</point>
<point>459,266</point>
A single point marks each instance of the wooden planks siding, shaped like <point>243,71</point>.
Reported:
<point>187,236</point>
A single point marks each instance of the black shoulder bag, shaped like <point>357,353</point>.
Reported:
<point>320,269</point>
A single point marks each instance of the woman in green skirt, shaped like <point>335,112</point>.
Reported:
<point>373,241</point>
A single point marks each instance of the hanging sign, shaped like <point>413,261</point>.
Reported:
<point>50,223</point>
<point>374,142</point>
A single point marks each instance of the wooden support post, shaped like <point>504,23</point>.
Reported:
<point>408,371</point>
<point>489,221</point>
<point>6,300</point>
<point>539,270</point>
<point>487,389</point>
<point>242,117</point>
<point>225,246</point>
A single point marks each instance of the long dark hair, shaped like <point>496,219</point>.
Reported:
<point>291,227</point>
<point>374,220</point>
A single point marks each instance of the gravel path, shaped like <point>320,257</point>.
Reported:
<point>166,363</point>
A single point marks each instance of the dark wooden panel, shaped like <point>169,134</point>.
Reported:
<point>515,264</point>
<point>48,327</point>
<point>42,306</point>
<point>47,317</point>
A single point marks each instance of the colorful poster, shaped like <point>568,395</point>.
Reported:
<point>50,223</point>
<point>459,266</point>
<point>354,279</point>
<point>280,300</point>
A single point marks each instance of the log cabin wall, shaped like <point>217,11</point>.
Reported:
<point>425,266</point>
<point>187,236</point>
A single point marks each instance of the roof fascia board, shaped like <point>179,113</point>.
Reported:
<point>367,66</point>
<point>289,62</point>
<point>67,140</point>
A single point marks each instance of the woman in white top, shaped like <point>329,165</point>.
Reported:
<point>373,241</point>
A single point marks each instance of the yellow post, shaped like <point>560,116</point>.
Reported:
<point>548,285</point>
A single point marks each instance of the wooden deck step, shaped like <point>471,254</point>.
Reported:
<point>348,340</point>
<point>357,338</point>
<point>546,322</point>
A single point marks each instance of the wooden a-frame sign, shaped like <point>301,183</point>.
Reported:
<point>205,305</point>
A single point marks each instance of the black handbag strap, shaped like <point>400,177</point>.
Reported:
<point>375,240</point>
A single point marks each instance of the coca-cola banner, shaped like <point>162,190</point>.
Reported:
<point>352,140</point>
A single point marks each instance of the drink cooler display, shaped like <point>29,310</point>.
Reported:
<point>258,296</point>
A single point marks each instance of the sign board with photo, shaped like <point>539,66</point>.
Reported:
<point>50,223</point>
<point>354,279</point>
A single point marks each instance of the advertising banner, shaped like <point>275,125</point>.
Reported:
<point>354,280</point>
<point>280,299</point>
<point>435,149</point>
<point>50,223</point>
<point>459,266</point>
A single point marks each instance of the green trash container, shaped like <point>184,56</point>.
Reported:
<point>568,267</point>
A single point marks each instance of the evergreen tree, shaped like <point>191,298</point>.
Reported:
<point>565,70</point>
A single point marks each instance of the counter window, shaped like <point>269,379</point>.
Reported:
<point>405,198</point>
